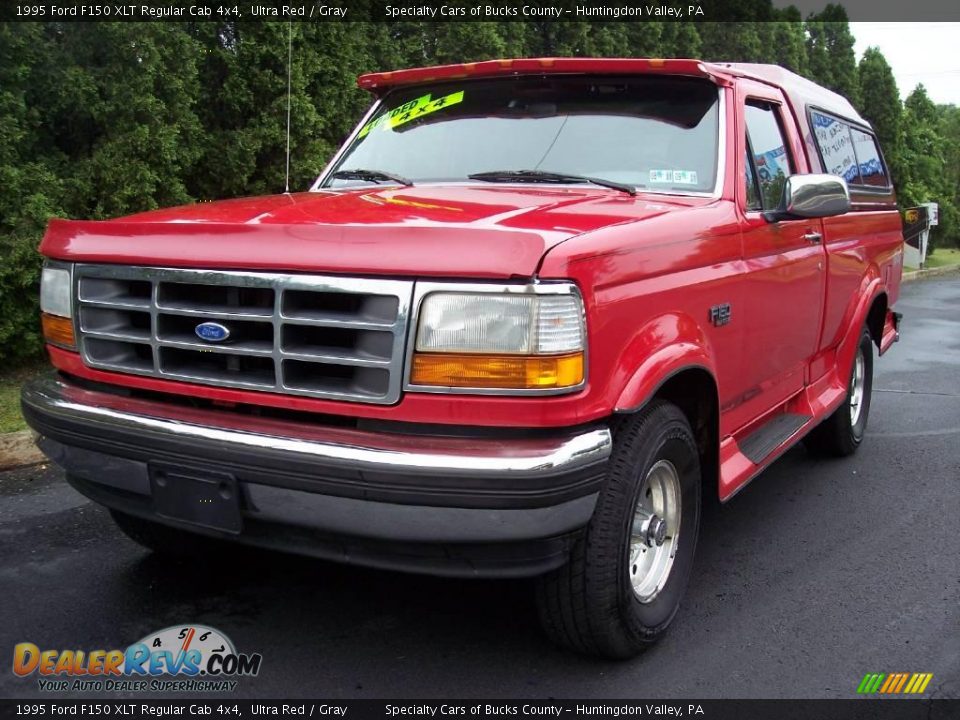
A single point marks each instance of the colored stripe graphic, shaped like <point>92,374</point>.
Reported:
<point>894,683</point>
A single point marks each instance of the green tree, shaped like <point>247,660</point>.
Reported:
<point>243,105</point>
<point>925,176</point>
<point>832,61</point>
<point>550,39</point>
<point>950,221</point>
<point>680,40</point>
<point>644,39</point>
<point>468,42</point>
<point>737,39</point>
<point>102,119</point>
<point>880,105</point>
<point>783,40</point>
<point>118,106</point>
<point>731,42</point>
<point>30,191</point>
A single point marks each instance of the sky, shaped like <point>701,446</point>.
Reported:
<point>923,52</point>
<point>918,52</point>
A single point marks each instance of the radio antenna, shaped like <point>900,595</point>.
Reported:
<point>289,70</point>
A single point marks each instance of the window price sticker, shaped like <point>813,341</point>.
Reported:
<point>674,177</point>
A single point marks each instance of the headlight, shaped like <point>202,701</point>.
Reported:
<point>519,340</point>
<point>55,291</point>
<point>56,305</point>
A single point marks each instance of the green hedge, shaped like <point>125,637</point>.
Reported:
<point>103,119</point>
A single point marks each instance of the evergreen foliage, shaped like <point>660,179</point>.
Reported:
<point>103,119</point>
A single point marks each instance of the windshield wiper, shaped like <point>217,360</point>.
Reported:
<point>545,176</point>
<point>371,176</point>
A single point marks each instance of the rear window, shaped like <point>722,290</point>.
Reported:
<point>869,162</point>
<point>849,152</point>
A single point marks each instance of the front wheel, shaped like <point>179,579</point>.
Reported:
<point>841,433</point>
<point>623,583</point>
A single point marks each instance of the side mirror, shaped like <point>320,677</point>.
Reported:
<point>816,195</point>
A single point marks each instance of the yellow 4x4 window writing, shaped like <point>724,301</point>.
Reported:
<point>411,111</point>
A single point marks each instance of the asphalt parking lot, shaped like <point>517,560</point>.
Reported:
<point>819,572</point>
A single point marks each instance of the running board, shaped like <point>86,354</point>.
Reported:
<point>767,438</point>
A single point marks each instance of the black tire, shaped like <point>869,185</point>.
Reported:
<point>589,604</point>
<point>165,540</point>
<point>838,435</point>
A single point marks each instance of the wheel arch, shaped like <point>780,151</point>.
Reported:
<point>870,311</point>
<point>693,389</point>
<point>876,316</point>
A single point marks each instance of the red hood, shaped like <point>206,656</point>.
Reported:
<point>439,230</point>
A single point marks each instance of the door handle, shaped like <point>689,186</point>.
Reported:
<point>813,237</point>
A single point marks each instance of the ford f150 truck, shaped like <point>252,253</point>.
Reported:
<point>531,314</point>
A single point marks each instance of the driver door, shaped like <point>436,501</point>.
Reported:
<point>784,260</point>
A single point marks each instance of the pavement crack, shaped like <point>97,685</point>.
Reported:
<point>917,392</point>
<point>916,433</point>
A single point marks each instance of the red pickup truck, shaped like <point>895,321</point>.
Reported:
<point>531,315</point>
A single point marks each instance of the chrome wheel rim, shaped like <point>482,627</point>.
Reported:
<point>655,531</point>
<point>857,387</point>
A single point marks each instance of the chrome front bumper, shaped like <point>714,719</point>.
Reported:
<point>338,484</point>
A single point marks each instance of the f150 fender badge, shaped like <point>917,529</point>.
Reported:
<point>720,314</point>
<point>212,332</point>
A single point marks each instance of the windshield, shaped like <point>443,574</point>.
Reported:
<point>653,132</point>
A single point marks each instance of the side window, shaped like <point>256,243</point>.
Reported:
<point>753,195</point>
<point>836,147</point>
<point>871,168</point>
<point>769,150</point>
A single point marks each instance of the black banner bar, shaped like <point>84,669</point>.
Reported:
<point>457,10</point>
<point>865,708</point>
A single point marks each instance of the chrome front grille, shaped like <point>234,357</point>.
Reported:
<point>319,336</point>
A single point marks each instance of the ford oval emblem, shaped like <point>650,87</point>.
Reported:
<point>212,332</point>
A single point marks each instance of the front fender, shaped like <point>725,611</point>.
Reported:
<point>663,347</point>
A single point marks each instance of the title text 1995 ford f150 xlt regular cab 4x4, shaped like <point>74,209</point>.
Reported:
<point>530,314</point>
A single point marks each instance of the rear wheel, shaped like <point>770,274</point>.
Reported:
<point>841,433</point>
<point>622,586</point>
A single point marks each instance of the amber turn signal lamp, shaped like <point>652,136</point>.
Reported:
<point>57,330</point>
<point>501,372</point>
